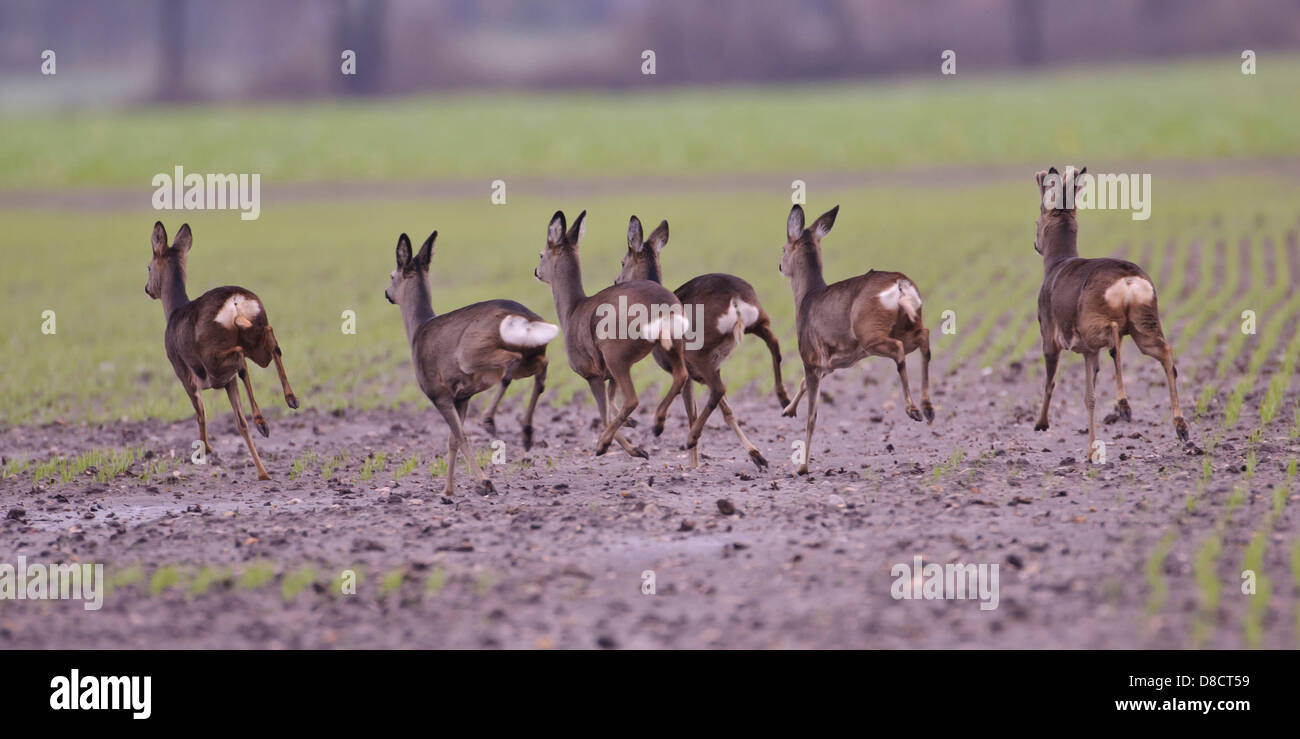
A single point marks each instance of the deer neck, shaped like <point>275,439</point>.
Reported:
<point>1060,242</point>
<point>173,289</point>
<point>807,277</point>
<point>417,308</point>
<point>567,287</point>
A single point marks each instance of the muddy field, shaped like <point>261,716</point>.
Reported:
<point>1089,556</point>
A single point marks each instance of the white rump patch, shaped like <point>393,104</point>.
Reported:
<point>901,294</point>
<point>1129,290</point>
<point>665,333</point>
<point>740,311</point>
<point>238,310</point>
<point>520,331</point>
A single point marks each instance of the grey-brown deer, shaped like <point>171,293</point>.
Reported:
<point>1086,305</point>
<point>208,339</point>
<point>460,354</point>
<point>730,309</point>
<point>875,314</point>
<point>599,349</point>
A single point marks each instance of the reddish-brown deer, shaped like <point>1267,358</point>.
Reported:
<point>460,354</point>
<point>208,339</point>
<point>1086,305</point>
<point>644,315</point>
<point>729,308</point>
<point>875,314</point>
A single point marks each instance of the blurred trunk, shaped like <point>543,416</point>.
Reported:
<point>171,49</point>
<point>360,26</point>
<point>1027,31</point>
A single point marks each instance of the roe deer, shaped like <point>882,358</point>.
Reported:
<point>1086,305</point>
<point>460,354</point>
<point>599,352</point>
<point>208,339</point>
<point>878,314</point>
<point>730,309</point>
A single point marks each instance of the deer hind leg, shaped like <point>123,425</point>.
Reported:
<point>539,384</point>
<point>677,365</point>
<point>200,413</point>
<point>1091,366</point>
<point>453,413</point>
<point>812,381</point>
<point>290,399</point>
<point>894,349</point>
<point>688,402</point>
<point>489,415</point>
<point>603,400</point>
<point>926,408</point>
<point>713,381</point>
<point>792,409</point>
<point>755,455</point>
<point>1051,356</point>
<point>232,390</point>
<point>258,420</point>
<point>763,330</point>
<point>1156,346</point>
<point>1123,411</point>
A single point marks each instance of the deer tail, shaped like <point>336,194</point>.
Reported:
<point>909,300</point>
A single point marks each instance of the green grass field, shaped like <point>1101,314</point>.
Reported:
<point>966,242</point>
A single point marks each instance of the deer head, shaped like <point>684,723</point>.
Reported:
<point>641,262</point>
<point>411,271</point>
<point>803,245</point>
<point>1057,214</point>
<point>167,262</point>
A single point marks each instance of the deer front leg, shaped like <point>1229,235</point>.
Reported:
<point>290,399</point>
<point>232,390</point>
<point>926,408</point>
<point>1050,358</point>
<point>1090,365</point>
<point>201,413</point>
<point>812,381</point>
<point>754,455</point>
<point>764,331</point>
<point>793,409</point>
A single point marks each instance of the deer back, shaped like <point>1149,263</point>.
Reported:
<point>471,349</point>
<point>201,334</point>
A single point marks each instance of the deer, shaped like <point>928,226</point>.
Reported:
<point>460,354</point>
<point>730,309</point>
<point>874,314</point>
<point>598,352</point>
<point>1086,305</point>
<point>208,340</point>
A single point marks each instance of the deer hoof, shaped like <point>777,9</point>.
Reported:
<point>758,459</point>
<point>914,414</point>
<point>640,452</point>
<point>790,412</point>
<point>928,411</point>
<point>1040,426</point>
<point>784,400</point>
<point>658,428</point>
<point>485,487</point>
<point>291,400</point>
<point>1180,426</point>
<point>263,476</point>
<point>803,470</point>
<point>490,424</point>
<point>601,449</point>
<point>630,423</point>
<point>1123,411</point>
<point>262,428</point>
<point>528,438</point>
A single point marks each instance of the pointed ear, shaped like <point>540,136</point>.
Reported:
<point>578,229</point>
<point>426,252</point>
<point>403,251</point>
<point>634,240</point>
<point>555,231</point>
<point>659,237</point>
<point>159,239</point>
<point>822,225</point>
<point>184,239</point>
<point>1039,176</point>
<point>794,224</point>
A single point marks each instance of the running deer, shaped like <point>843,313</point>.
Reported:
<point>599,352</point>
<point>460,354</point>
<point>208,339</point>
<point>1086,305</point>
<point>730,309</point>
<point>876,314</point>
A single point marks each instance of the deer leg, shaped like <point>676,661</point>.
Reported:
<point>623,377</point>
<point>894,349</point>
<point>926,408</point>
<point>290,399</point>
<point>453,413</point>
<point>764,331</point>
<point>489,415</point>
<point>813,380</point>
<point>539,384</point>
<point>688,402</point>
<point>716,390</point>
<point>452,450</point>
<point>201,413</point>
<point>754,454</point>
<point>232,390</point>
<point>1157,347</point>
<point>792,409</point>
<point>677,366</point>
<point>612,391</point>
<point>1122,409</point>
<point>1090,365</point>
<point>258,420</point>
<point>602,401</point>
<point>1050,359</point>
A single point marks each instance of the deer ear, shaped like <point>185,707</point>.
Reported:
<point>578,229</point>
<point>659,237</point>
<point>426,252</point>
<point>794,224</point>
<point>1039,176</point>
<point>184,239</point>
<point>403,251</point>
<point>555,231</point>
<point>822,225</point>
<point>159,240</point>
<point>634,241</point>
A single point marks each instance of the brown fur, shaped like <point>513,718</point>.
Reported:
<point>716,293</point>
<point>841,323</point>
<point>601,359</point>
<point>207,354</point>
<point>460,354</point>
<point>1074,311</point>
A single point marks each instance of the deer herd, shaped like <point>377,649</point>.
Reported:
<point>1085,305</point>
